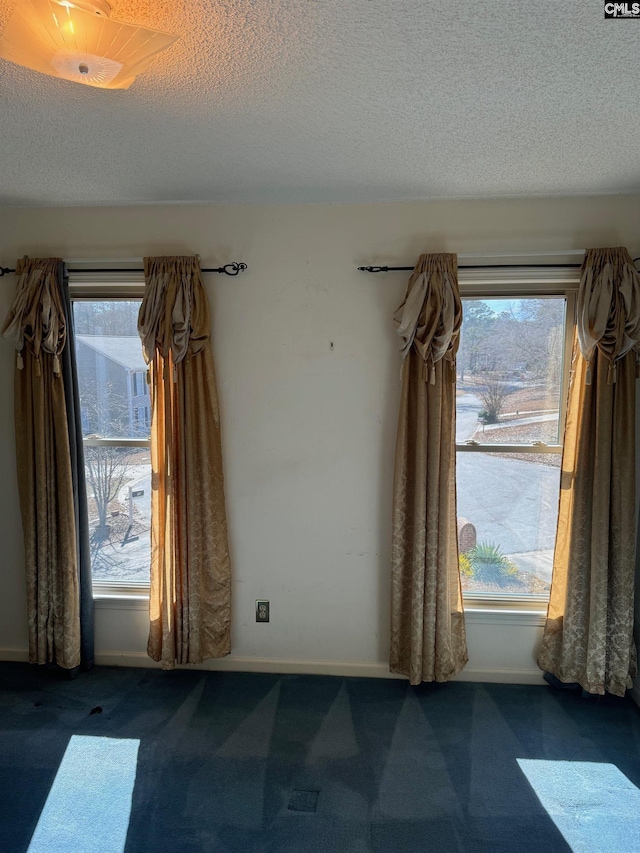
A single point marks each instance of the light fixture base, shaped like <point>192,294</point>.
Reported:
<point>86,68</point>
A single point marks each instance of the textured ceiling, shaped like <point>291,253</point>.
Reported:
<point>337,100</point>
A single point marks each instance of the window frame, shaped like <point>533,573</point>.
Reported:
<point>112,287</point>
<point>522,283</point>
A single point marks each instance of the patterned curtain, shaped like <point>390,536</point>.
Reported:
<point>428,638</point>
<point>37,326</point>
<point>588,636</point>
<point>190,602</point>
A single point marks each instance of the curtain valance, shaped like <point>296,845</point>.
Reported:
<point>608,307</point>
<point>431,314</point>
<point>174,316</point>
<point>36,319</point>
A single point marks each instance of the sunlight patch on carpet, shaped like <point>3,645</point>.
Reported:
<point>594,805</point>
<point>89,804</point>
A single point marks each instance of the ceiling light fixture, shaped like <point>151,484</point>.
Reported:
<point>77,40</point>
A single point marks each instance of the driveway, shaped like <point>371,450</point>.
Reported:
<point>467,408</point>
<point>513,504</point>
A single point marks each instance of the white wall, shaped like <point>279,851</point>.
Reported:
<point>308,432</point>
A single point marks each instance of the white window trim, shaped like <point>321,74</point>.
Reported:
<point>106,285</point>
<point>529,282</point>
<point>526,281</point>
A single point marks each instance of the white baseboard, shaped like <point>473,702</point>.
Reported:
<point>245,664</point>
<point>298,667</point>
<point>18,655</point>
<point>496,675</point>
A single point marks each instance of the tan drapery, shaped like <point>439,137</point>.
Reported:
<point>588,636</point>
<point>190,600</point>
<point>428,638</point>
<point>37,328</point>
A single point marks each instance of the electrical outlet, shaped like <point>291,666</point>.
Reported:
<point>262,611</point>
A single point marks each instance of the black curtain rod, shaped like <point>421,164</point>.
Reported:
<point>484,267</point>
<point>228,269</point>
<point>477,267</point>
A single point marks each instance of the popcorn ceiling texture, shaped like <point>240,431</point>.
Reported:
<point>337,101</point>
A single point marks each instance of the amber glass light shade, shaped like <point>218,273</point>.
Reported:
<point>78,41</point>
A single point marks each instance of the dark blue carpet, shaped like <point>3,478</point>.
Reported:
<point>187,762</point>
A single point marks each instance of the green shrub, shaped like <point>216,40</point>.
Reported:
<point>489,564</point>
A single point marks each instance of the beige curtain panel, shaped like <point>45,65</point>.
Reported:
<point>36,326</point>
<point>588,636</point>
<point>190,602</point>
<point>428,638</point>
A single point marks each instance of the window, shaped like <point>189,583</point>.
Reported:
<point>115,407</point>
<point>510,397</point>
<point>140,384</point>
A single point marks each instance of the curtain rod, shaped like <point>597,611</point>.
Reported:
<point>228,269</point>
<point>499,266</point>
<point>563,254</point>
<point>479,267</point>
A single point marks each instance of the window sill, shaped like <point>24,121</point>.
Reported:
<point>121,601</point>
<point>478,615</point>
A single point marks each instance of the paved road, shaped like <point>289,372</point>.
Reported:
<point>512,504</point>
<point>467,408</point>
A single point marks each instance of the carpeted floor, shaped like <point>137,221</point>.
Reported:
<point>186,762</point>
